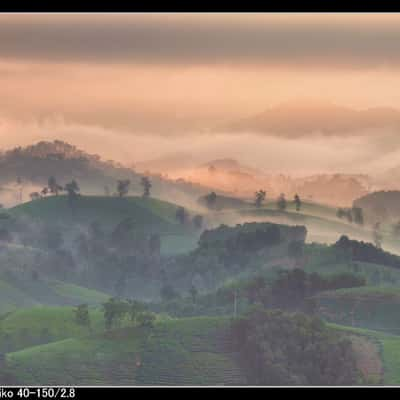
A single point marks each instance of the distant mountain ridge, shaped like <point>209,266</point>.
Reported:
<point>296,118</point>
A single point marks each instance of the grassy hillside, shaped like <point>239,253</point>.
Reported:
<point>322,224</point>
<point>27,327</point>
<point>148,215</point>
<point>367,307</point>
<point>324,260</point>
<point>176,352</point>
<point>20,294</point>
<point>11,298</point>
<point>109,210</point>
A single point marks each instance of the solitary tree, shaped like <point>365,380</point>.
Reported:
<point>82,316</point>
<point>72,189</point>
<point>145,182</point>
<point>260,197</point>
<point>123,187</point>
<point>181,215</point>
<point>53,186</point>
<point>340,213</point>
<point>297,202</point>
<point>211,200</point>
<point>198,221</point>
<point>113,311</point>
<point>281,203</point>
<point>358,215</point>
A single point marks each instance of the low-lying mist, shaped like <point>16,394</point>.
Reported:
<point>362,152</point>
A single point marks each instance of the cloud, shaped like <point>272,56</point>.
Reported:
<point>356,40</point>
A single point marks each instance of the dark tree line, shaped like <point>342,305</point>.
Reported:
<point>367,252</point>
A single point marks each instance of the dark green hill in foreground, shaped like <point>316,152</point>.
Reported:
<point>175,352</point>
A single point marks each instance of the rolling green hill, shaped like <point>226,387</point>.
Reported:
<point>324,260</point>
<point>18,294</point>
<point>145,212</point>
<point>148,215</point>
<point>368,307</point>
<point>26,327</point>
<point>176,352</point>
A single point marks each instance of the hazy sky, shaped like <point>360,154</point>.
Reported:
<point>137,86</point>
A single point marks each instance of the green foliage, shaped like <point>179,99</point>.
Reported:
<point>282,349</point>
<point>123,187</point>
<point>211,200</point>
<point>297,202</point>
<point>260,197</point>
<point>116,311</point>
<point>367,252</point>
<point>145,182</point>
<point>146,319</point>
<point>82,316</point>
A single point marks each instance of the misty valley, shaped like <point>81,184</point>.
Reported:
<point>109,276</point>
<point>198,199</point>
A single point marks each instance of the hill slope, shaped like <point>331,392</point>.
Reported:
<point>147,213</point>
<point>177,352</point>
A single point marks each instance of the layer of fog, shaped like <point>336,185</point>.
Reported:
<point>360,153</point>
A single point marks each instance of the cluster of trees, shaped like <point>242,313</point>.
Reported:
<point>366,252</point>
<point>281,202</point>
<point>291,290</point>
<point>354,214</point>
<point>116,311</point>
<point>254,240</point>
<point>72,188</point>
<point>53,187</point>
<point>280,349</point>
